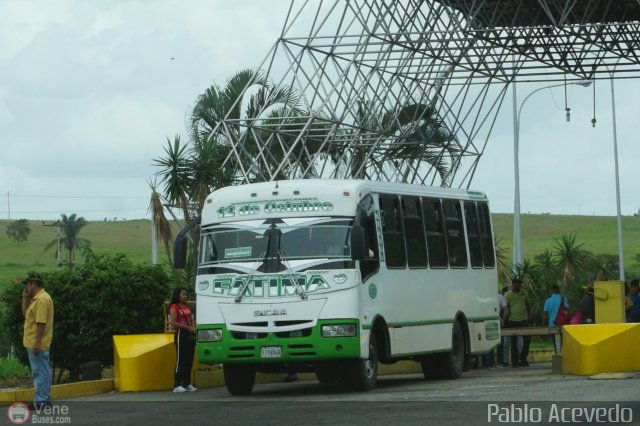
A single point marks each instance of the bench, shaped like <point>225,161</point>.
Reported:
<point>556,332</point>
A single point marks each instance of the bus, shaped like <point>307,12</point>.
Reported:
<point>337,276</point>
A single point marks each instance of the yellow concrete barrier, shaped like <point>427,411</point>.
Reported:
<point>143,362</point>
<point>600,348</point>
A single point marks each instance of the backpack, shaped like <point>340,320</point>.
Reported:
<point>564,316</point>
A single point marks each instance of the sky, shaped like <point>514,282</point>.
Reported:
<point>91,90</point>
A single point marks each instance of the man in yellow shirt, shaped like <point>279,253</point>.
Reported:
<point>37,308</point>
<point>517,315</point>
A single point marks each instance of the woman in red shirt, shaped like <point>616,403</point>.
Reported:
<point>184,339</point>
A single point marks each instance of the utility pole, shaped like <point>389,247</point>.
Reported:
<point>57,225</point>
<point>8,205</point>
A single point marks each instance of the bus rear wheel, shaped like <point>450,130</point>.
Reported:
<point>239,378</point>
<point>365,374</point>
<point>447,365</point>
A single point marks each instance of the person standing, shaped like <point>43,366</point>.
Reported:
<point>184,340</point>
<point>552,306</point>
<point>634,294</point>
<point>550,314</point>
<point>504,341</point>
<point>588,306</point>
<point>517,315</point>
<point>37,309</point>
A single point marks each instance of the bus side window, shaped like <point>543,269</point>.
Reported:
<point>371,263</point>
<point>434,226</point>
<point>484,221</point>
<point>414,232</point>
<point>394,249</point>
<point>473,234</point>
<point>455,233</point>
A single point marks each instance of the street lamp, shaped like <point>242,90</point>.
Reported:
<point>517,236</point>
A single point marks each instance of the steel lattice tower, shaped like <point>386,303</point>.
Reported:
<point>409,90</point>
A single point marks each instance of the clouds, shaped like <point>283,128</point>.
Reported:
<point>89,94</point>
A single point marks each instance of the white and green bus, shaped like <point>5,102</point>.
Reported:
<point>337,276</point>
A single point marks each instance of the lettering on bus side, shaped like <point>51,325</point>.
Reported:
<point>378,220</point>
<point>303,205</point>
<point>271,286</point>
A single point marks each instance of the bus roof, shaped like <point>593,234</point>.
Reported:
<point>308,195</point>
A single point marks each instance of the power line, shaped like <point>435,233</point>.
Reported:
<point>74,196</point>
<point>77,211</point>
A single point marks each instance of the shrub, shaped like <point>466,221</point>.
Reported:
<point>106,295</point>
<point>12,367</point>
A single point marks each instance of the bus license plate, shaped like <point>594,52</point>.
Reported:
<point>271,352</point>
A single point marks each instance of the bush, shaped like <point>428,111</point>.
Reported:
<point>106,295</point>
<point>12,367</point>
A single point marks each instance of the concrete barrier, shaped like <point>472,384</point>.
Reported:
<point>600,348</point>
<point>143,362</point>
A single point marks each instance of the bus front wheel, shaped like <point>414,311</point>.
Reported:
<point>239,378</point>
<point>447,365</point>
<point>365,374</point>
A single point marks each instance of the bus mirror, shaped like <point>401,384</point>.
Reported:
<point>357,243</point>
<point>180,251</point>
<point>181,244</point>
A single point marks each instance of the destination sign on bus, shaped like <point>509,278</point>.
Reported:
<point>294,205</point>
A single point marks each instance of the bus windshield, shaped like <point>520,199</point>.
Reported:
<point>291,239</point>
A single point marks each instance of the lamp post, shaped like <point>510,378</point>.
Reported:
<point>618,212</point>
<point>517,236</point>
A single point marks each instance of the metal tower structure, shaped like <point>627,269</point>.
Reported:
<point>409,90</point>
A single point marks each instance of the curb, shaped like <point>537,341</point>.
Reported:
<point>65,391</point>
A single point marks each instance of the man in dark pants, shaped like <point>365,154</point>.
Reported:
<point>517,315</point>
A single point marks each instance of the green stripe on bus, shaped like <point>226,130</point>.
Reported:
<point>430,322</point>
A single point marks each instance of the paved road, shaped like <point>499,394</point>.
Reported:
<point>402,399</point>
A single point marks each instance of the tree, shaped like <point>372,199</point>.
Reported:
<point>190,172</point>
<point>405,136</point>
<point>105,296</point>
<point>569,258</point>
<point>70,227</point>
<point>19,230</point>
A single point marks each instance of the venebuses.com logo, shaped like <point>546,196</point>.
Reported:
<point>19,413</point>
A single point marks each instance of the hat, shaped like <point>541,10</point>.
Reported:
<point>32,276</point>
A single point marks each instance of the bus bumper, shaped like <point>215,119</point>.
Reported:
<point>307,345</point>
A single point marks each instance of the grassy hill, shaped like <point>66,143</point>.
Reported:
<point>133,238</point>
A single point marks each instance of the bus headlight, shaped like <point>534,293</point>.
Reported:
<point>338,330</point>
<point>211,335</point>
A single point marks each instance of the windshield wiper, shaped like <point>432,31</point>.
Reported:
<point>295,282</point>
<point>261,258</point>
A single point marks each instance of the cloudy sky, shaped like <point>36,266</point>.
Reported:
<point>90,91</point>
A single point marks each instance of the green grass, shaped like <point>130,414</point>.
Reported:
<point>132,237</point>
<point>598,233</point>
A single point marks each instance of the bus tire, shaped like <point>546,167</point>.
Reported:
<point>365,374</point>
<point>447,365</point>
<point>239,378</point>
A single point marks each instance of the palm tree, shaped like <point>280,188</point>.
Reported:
<point>406,136</point>
<point>190,172</point>
<point>569,258</point>
<point>70,227</point>
<point>504,273</point>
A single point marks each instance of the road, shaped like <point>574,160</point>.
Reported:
<point>479,396</point>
